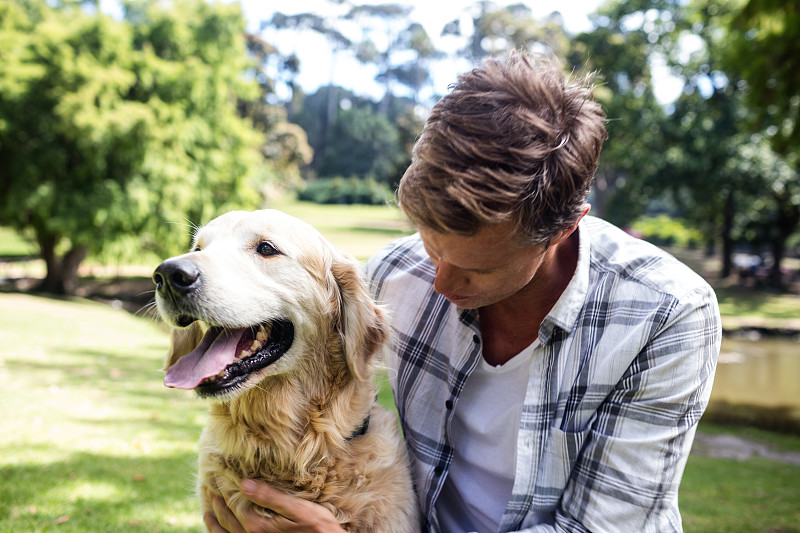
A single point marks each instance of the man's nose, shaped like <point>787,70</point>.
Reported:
<point>448,279</point>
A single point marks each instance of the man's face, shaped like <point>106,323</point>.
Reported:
<point>482,269</point>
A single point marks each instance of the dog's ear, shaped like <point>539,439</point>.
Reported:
<point>361,323</point>
<point>183,341</point>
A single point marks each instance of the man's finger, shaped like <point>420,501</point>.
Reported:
<point>225,517</point>
<point>213,524</point>
<point>288,506</point>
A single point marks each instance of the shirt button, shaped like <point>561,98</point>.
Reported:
<point>476,339</point>
<point>449,404</point>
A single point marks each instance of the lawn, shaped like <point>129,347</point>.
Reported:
<point>90,438</point>
<point>360,230</point>
<point>740,496</point>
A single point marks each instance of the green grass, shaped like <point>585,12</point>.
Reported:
<point>740,496</point>
<point>360,230</point>
<point>90,438</point>
<point>735,301</point>
<point>12,244</point>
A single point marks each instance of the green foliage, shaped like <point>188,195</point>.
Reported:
<point>664,230</point>
<point>763,49</point>
<point>498,30</point>
<point>361,142</point>
<point>620,53</point>
<point>112,128</point>
<point>345,191</point>
<point>352,137</point>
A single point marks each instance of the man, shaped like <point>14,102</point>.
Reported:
<point>549,370</point>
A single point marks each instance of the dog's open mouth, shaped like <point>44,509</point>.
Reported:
<point>225,358</point>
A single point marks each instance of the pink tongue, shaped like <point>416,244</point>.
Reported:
<point>216,351</point>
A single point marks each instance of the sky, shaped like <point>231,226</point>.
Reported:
<point>319,66</point>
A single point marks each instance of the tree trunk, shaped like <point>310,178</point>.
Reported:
<point>727,240</point>
<point>778,251</point>
<point>788,221</point>
<point>62,271</point>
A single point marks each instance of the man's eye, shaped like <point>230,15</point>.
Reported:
<point>266,249</point>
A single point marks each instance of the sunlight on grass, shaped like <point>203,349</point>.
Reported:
<point>13,244</point>
<point>360,230</point>
<point>96,442</point>
<point>734,302</point>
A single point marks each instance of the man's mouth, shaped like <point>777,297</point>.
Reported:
<point>225,357</point>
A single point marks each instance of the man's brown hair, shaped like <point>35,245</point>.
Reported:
<point>516,141</point>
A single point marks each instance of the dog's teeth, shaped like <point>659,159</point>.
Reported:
<point>262,334</point>
<point>254,346</point>
<point>244,354</point>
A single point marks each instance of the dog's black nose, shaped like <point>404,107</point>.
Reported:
<point>179,276</point>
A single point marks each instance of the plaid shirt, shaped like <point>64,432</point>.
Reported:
<point>618,384</point>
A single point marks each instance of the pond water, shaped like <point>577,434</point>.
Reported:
<point>763,372</point>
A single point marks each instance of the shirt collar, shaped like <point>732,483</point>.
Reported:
<point>564,313</point>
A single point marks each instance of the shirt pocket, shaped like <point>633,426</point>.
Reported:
<point>559,457</point>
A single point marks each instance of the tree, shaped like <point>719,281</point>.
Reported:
<point>764,49</point>
<point>361,143</point>
<point>497,30</point>
<point>116,128</point>
<point>775,213</point>
<point>711,168</point>
<point>763,39</point>
<point>620,51</point>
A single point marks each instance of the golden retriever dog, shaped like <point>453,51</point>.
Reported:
<point>276,327</point>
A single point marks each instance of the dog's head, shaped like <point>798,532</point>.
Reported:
<point>259,293</point>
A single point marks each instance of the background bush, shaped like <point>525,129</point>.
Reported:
<point>345,191</point>
<point>662,230</point>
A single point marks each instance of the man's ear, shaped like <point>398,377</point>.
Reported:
<point>183,341</point>
<point>361,323</point>
<point>569,231</point>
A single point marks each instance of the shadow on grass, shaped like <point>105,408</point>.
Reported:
<point>100,492</point>
<point>389,232</point>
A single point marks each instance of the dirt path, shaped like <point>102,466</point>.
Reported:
<point>734,447</point>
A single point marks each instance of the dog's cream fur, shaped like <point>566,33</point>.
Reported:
<point>290,423</point>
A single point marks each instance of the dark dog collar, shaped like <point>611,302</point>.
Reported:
<point>361,430</point>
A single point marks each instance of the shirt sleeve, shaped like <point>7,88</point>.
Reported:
<point>627,473</point>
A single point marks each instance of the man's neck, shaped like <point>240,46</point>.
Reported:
<point>510,325</point>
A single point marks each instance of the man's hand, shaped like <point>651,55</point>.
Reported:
<point>290,513</point>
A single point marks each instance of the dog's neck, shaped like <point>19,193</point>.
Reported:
<point>297,440</point>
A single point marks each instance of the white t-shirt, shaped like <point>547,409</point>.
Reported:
<point>484,430</point>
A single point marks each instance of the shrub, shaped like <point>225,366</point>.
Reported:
<point>664,230</point>
<point>345,191</point>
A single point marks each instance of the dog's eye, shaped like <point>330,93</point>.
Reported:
<point>266,249</point>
